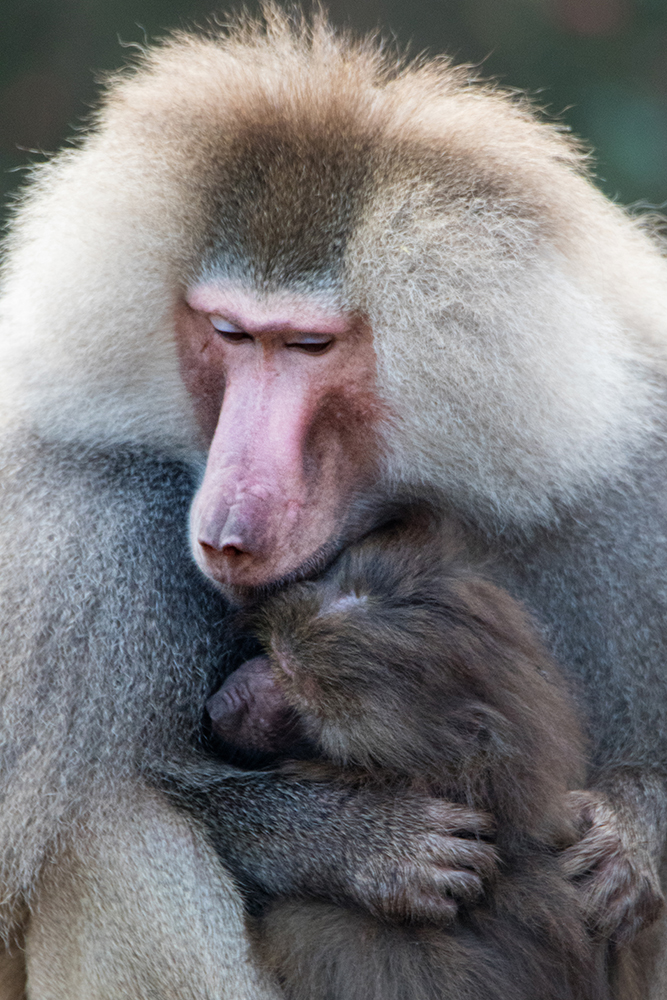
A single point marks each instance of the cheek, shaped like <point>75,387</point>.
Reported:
<point>342,439</point>
<point>201,361</point>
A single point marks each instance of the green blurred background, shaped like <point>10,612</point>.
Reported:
<point>601,65</point>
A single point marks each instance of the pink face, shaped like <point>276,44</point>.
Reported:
<point>285,392</point>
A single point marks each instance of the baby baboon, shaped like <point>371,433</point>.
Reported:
<point>404,668</point>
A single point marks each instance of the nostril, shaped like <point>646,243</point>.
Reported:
<point>227,551</point>
<point>231,551</point>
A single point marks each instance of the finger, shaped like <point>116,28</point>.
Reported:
<point>461,884</point>
<point>423,898</point>
<point>619,904</point>
<point>424,904</point>
<point>417,905</point>
<point>596,848</point>
<point>456,820</point>
<point>455,853</point>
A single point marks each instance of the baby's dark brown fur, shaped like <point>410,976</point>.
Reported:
<point>402,668</point>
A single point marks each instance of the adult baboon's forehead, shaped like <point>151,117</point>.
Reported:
<point>287,193</point>
<point>287,196</point>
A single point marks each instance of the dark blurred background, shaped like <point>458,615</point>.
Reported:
<point>601,65</point>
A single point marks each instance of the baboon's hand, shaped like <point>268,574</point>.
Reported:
<point>614,869</point>
<point>399,855</point>
<point>419,857</point>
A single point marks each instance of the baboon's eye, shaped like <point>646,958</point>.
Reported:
<point>229,331</point>
<point>311,343</point>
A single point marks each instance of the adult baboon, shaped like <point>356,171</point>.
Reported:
<point>400,281</point>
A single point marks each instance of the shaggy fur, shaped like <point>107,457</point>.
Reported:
<point>404,668</point>
<point>519,327</point>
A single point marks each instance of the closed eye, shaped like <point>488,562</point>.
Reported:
<point>231,333</point>
<point>234,336</point>
<point>311,344</point>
